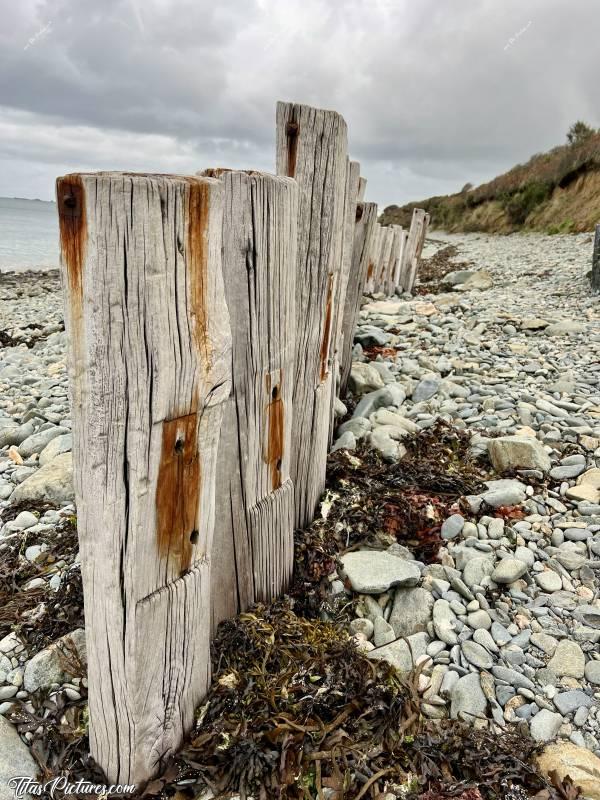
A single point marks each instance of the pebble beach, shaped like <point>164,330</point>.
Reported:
<point>505,626</point>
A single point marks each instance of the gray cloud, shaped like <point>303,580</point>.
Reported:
<point>435,94</point>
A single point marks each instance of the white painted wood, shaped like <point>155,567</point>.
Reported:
<point>312,148</point>
<point>149,342</point>
<point>364,233</point>
<point>254,528</point>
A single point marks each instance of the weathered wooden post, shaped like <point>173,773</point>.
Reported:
<point>362,187</point>
<point>364,233</point>
<point>149,343</point>
<point>312,148</point>
<point>373,258</point>
<point>384,258</point>
<point>596,262</point>
<point>254,526</point>
<point>339,303</point>
<point>390,285</point>
<point>416,240</point>
<point>397,268</point>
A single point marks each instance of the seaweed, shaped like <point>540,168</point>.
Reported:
<point>370,501</point>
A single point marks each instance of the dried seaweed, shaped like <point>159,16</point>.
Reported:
<point>372,501</point>
<point>40,616</point>
<point>433,270</point>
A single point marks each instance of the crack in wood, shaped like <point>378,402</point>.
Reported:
<point>197,230</point>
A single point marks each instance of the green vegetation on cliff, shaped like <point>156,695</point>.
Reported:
<point>554,192</point>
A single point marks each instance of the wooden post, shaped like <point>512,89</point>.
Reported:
<point>596,262</point>
<point>312,147</point>
<point>149,341</point>
<point>390,285</point>
<point>364,233</point>
<point>373,258</point>
<point>362,186</point>
<point>416,240</point>
<point>397,272</point>
<point>384,258</point>
<point>352,186</point>
<point>254,527</point>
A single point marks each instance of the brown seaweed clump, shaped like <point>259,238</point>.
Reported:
<point>296,711</point>
<point>373,502</point>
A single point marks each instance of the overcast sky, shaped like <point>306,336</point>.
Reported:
<point>435,92</point>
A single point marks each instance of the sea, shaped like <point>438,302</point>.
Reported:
<point>28,235</point>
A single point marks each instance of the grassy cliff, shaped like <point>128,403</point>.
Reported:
<point>554,192</point>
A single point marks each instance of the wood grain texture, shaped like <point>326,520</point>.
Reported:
<point>253,548</point>
<point>390,285</point>
<point>414,247</point>
<point>385,253</point>
<point>350,202</point>
<point>362,187</point>
<point>149,343</point>
<point>312,148</point>
<point>398,255</point>
<point>373,258</point>
<point>364,232</point>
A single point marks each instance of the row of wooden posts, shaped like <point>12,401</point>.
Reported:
<point>210,321</point>
<point>395,255</point>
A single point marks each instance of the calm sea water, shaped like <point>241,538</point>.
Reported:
<point>28,234</point>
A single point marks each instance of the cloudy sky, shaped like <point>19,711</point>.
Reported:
<point>435,92</point>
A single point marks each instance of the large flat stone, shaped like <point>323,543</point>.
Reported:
<point>411,611</point>
<point>15,759</point>
<point>375,571</point>
<point>578,762</point>
<point>517,452</point>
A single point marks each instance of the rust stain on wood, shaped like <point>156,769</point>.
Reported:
<point>291,134</point>
<point>197,251</point>
<point>275,418</point>
<point>178,492</point>
<point>72,220</point>
<point>370,269</point>
<point>326,330</point>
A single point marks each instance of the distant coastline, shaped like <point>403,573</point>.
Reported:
<point>29,199</point>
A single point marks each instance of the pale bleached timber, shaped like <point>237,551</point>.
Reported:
<point>312,148</point>
<point>254,526</point>
<point>416,240</point>
<point>401,233</point>
<point>339,303</point>
<point>384,258</point>
<point>390,286</point>
<point>362,187</point>
<point>364,233</point>
<point>373,258</point>
<point>149,341</point>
